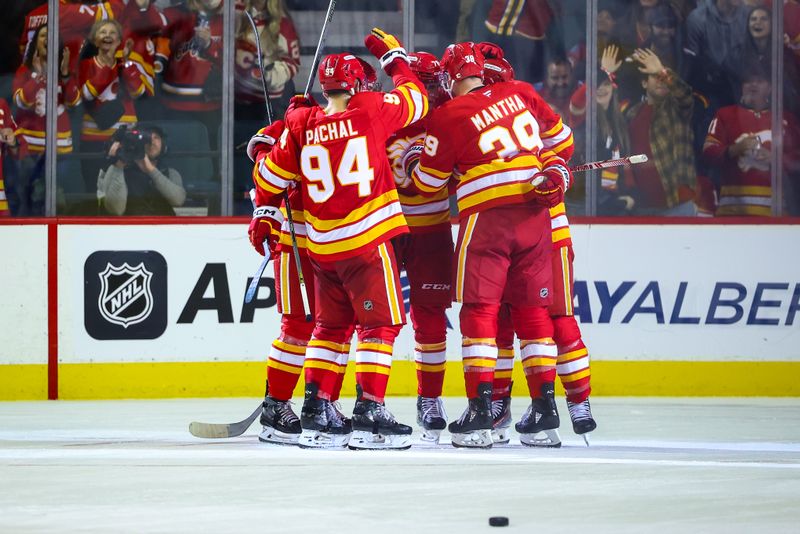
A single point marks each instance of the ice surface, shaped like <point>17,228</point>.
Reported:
<point>655,465</point>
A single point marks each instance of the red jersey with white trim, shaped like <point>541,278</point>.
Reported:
<point>185,65</point>
<point>100,84</point>
<point>746,185</point>
<point>144,27</point>
<point>422,213</point>
<point>282,60</point>
<point>491,141</point>
<point>29,96</point>
<point>349,197</point>
<point>75,20</point>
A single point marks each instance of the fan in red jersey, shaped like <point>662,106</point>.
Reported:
<point>10,143</point>
<point>337,156</point>
<point>426,254</point>
<point>488,142</point>
<point>573,357</point>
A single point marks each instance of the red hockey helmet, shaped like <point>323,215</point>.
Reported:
<point>497,70</point>
<point>340,72</point>
<point>462,60</point>
<point>426,66</point>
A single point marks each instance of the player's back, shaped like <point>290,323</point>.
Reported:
<point>490,139</point>
<point>349,196</point>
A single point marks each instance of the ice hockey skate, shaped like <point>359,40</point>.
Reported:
<point>374,427</point>
<point>431,417</point>
<point>324,427</point>
<point>280,424</point>
<point>539,426</point>
<point>474,428</point>
<point>501,420</point>
<point>582,420</point>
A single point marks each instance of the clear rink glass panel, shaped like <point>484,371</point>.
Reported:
<point>543,42</point>
<point>23,94</point>
<point>146,128</point>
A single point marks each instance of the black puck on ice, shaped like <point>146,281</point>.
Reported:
<point>498,521</point>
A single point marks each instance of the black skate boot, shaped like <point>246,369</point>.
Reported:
<point>374,427</point>
<point>431,417</point>
<point>324,427</point>
<point>501,420</point>
<point>539,426</point>
<point>280,424</point>
<point>582,420</point>
<point>474,428</point>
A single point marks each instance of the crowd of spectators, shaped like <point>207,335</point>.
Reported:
<point>687,82</point>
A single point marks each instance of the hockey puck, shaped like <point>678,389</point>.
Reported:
<point>498,521</point>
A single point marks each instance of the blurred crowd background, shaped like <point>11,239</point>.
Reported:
<point>148,123</point>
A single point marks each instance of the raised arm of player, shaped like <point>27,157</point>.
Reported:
<point>431,172</point>
<point>408,102</point>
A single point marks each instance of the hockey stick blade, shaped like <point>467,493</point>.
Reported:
<point>253,287</point>
<point>222,430</point>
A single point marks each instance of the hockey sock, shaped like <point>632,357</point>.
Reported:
<point>539,363</point>
<point>501,387</point>
<point>430,358</point>
<point>573,358</point>
<point>344,355</point>
<point>573,370</point>
<point>322,365</point>
<point>284,365</point>
<point>479,356</point>
<point>430,361</point>
<point>373,364</point>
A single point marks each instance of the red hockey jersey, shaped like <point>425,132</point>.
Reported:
<point>422,213</point>
<point>349,198</point>
<point>746,184</point>
<point>491,141</point>
<point>75,21</point>
<point>100,85</point>
<point>185,65</point>
<point>29,96</point>
<point>7,121</point>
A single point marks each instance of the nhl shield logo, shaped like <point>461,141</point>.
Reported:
<point>125,295</point>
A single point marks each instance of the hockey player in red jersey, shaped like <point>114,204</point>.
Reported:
<point>488,141</point>
<point>426,254</point>
<point>573,357</point>
<point>338,157</point>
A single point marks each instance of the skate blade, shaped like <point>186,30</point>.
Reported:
<point>477,439</point>
<point>585,439</point>
<point>367,441</point>
<point>544,438</point>
<point>314,439</point>
<point>430,436</point>
<point>276,437</point>
<point>501,436</point>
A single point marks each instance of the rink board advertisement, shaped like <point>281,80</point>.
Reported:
<point>138,301</point>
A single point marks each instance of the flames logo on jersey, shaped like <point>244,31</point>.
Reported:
<point>125,295</point>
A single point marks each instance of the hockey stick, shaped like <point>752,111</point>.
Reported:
<point>251,290</point>
<point>222,430</point>
<point>609,163</point>
<point>320,44</point>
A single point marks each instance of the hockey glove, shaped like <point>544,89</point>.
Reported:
<point>265,227</point>
<point>409,162</point>
<point>262,141</point>
<point>550,184</point>
<point>490,50</point>
<point>385,46</point>
<point>300,101</point>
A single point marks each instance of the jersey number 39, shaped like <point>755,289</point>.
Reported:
<point>353,169</point>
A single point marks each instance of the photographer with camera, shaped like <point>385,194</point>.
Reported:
<point>135,184</point>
